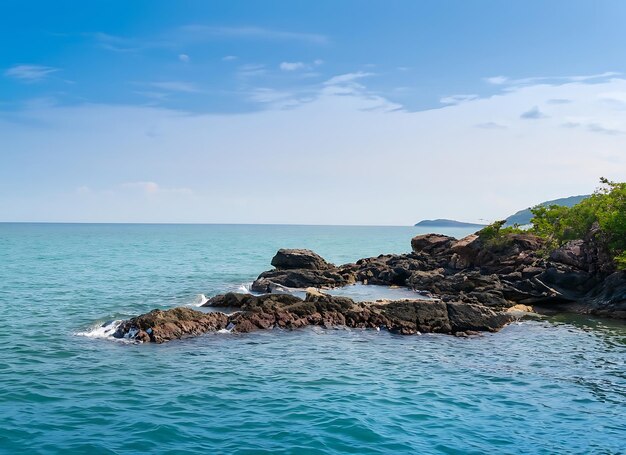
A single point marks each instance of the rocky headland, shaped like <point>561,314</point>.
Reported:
<point>469,285</point>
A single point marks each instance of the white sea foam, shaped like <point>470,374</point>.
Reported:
<point>244,288</point>
<point>199,300</point>
<point>105,330</point>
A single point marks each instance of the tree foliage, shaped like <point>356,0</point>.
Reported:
<point>606,207</point>
<point>496,235</point>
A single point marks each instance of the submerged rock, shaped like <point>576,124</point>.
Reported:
<point>159,326</point>
<point>285,311</point>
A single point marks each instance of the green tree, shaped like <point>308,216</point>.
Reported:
<point>606,207</point>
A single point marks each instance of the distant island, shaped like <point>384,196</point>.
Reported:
<point>523,217</point>
<point>447,223</point>
<point>520,218</point>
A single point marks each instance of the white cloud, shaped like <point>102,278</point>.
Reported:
<point>30,73</point>
<point>292,66</point>
<point>184,58</point>
<point>496,80</point>
<point>176,86</point>
<point>295,66</point>
<point>229,58</point>
<point>289,166</point>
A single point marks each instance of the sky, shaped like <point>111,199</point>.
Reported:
<point>324,112</point>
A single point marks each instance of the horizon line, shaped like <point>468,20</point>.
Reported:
<point>216,224</point>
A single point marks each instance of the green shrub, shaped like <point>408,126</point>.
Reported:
<point>606,207</point>
<point>496,235</point>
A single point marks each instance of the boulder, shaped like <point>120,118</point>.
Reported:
<point>159,326</point>
<point>465,316</point>
<point>425,280</point>
<point>289,259</point>
<point>572,254</point>
<point>431,243</point>
<point>609,297</point>
<point>298,279</point>
<point>464,251</point>
<point>409,317</point>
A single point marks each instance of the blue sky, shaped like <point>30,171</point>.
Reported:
<point>332,112</point>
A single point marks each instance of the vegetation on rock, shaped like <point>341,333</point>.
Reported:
<point>603,212</point>
<point>497,234</point>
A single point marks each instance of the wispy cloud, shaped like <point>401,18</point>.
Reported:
<point>118,43</point>
<point>152,188</point>
<point>184,58</point>
<point>229,58</point>
<point>203,32</point>
<point>593,127</point>
<point>30,73</point>
<point>457,99</point>
<point>533,114</point>
<point>140,188</point>
<point>599,128</point>
<point>251,70</point>
<point>278,99</point>
<point>490,126</point>
<point>503,80</point>
<point>176,86</point>
<point>347,78</point>
<point>292,66</point>
<point>558,101</point>
<point>496,80</point>
<point>195,34</point>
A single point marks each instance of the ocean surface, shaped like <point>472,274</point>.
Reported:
<point>551,385</point>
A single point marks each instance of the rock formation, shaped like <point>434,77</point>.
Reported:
<point>474,284</point>
<point>285,311</point>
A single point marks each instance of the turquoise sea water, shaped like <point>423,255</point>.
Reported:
<point>555,385</point>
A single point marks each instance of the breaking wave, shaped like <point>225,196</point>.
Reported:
<point>103,330</point>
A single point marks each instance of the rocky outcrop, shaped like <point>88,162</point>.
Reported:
<point>159,326</point>
<point>297,268</point>
<point>477,285</point>
<point>498,273</point>
<point>406,317</point>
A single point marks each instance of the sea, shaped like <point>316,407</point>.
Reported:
<point>544,385</point>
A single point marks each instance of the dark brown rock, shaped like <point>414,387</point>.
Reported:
<point>430,243</point>
<point>464,316</point>
<point>160,326</point>
<point>288,312</point>
<point>289,259</point>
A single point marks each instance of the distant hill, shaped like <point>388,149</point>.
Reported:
<point>447,223</point>
<point>524,216</point>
